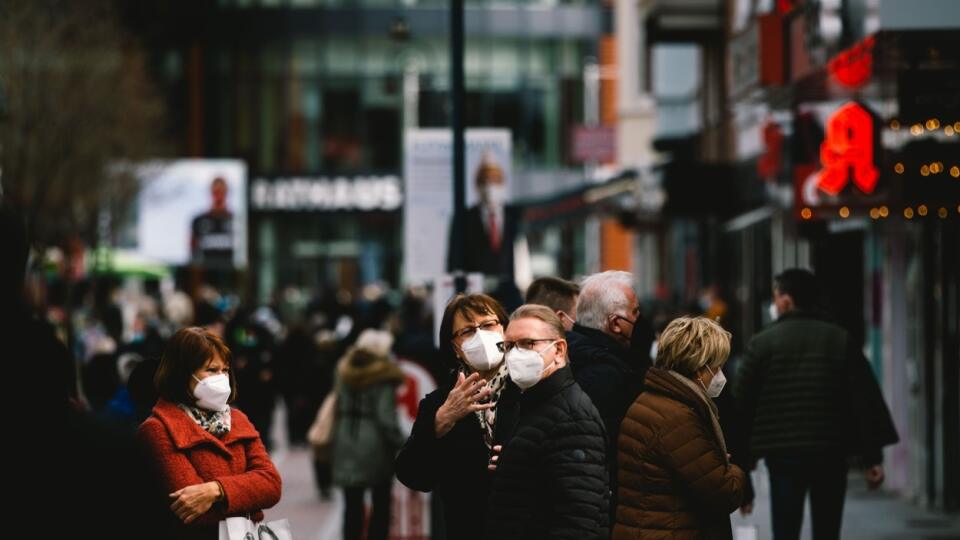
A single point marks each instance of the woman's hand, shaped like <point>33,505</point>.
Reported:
<point>192,502</point>
<point>494,458</point>
<point>462,401</point>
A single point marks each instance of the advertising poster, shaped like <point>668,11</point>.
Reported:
<point>428,207</point>
<point>194,211</point>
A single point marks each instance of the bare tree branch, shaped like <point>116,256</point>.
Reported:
<point>74,97</point>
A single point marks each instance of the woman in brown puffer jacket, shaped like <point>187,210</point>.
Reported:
<point>675,476</point>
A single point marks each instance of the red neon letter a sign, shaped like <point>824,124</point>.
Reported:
<point>848,151</point>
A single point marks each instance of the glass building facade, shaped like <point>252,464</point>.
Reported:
<point>340,104</point>
<point>326,88</point>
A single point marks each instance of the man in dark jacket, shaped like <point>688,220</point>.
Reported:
<point>610,351</point>
<point>810,400</point>
<point>551,477</point>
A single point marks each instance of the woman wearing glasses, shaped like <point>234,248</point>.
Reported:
<point>451,444</point>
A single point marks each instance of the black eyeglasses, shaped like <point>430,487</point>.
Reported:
<point>469,331</point>
<point>523,344</point>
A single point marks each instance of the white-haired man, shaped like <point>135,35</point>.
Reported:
<point>610,350</point>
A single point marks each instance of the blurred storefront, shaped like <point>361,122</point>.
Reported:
<point>825,136</point>
<point>844,115</point>
<point>315,232</point>
<point>325,90</point>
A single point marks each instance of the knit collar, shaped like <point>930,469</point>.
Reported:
<point>603,340</point>
<point>185,433</point>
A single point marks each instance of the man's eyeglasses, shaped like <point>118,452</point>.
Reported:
<point>469,331</point>
<point>523,344</point>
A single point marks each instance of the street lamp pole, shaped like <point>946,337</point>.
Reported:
<point>457,102</point>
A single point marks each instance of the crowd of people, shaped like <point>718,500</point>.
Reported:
<point>567,414</point>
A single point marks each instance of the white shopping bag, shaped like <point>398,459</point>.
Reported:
<point>745,532</point>
<point>241,528</point>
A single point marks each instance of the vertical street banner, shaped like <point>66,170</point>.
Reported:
<point>193,211</point>
<point>410,510</point>
<point>428,204</point>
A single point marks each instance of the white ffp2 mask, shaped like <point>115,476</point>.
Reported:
<point>716,384</point>
<point>495,194</point>
<point>481,352</point>
<point>526,367</point>
<point>213,392</point>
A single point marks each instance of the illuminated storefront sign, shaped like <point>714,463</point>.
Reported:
<point>847,153</point>
<point>853,67</point>
<point>365,193</point>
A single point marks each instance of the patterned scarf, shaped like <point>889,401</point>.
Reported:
<point>216,423</point>
<point>488,418</point>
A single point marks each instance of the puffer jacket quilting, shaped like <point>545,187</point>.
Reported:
<point>674,479</point>
<point>551,481</point>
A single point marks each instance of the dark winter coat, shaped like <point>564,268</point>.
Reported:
<point>804,388</point>
<point>551,480</point>
<point>474,243</point>
<point>675,481</point>
<point>366,430</point>
<point>607,372</point>
<point>185,454</point>
<point>453,467</point>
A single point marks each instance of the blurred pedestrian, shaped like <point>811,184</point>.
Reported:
<point>551,476</point>
<point>414,330</point>
<point>294,360</point>
<point>456,427</point>
<point>557,294</point>
<point>366,433</point>
<point>711,305</point>
<point>210,318</point>
<point>92,462</point>
<point>209,458</point>
<point>121,409</point>
<point>100,380</point>
<point>321,382</point>
<point>253,351</point>
<point>676,478</point>
<point>811,399</point>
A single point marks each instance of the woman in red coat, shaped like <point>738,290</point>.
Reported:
<point>210,459</point>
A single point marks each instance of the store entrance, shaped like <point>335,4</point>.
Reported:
<point>839,264</point>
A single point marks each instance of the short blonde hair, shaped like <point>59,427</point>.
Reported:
<point>545,314</point>
<point>688,344</point>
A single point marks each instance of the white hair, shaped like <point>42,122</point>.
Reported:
<point>602,295</point>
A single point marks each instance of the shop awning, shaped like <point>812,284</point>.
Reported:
<point>578,202</point>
